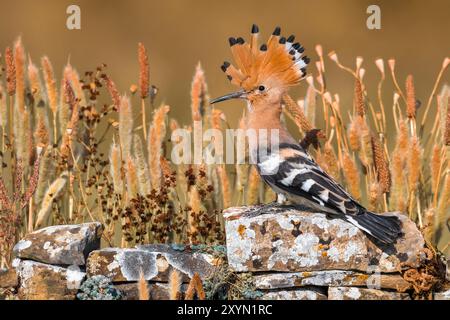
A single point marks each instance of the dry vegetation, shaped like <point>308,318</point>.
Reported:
<point>53,132</point>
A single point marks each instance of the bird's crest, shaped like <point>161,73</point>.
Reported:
<point>277,63</point>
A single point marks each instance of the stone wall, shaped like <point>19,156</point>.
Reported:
<point>282,253</point>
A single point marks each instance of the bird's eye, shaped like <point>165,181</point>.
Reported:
<point>261,88</point>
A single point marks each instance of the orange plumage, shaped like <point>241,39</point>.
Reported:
<point>278,63</point>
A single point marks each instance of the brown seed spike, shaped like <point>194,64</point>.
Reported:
<point>359,99</point>
<point>10,71</point>
<point>410,98</point>
<point>447,125</point>
<point>144,74</point>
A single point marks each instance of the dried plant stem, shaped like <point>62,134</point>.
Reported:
<point>433,92</point>
<point>144,121</point>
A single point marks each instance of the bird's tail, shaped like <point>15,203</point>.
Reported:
<point>386,229</point>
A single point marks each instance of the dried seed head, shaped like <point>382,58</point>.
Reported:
<point>410,98</point>
<point>380,65</point>
<point>333,56</point>
<point>50,84</point>
<point>381,165</point>
<point>351,175</point>
<point>198,94</point>
<point>10,71</point>
<point>144,72</point>
<point>414,163</point>
<point>359,99</point>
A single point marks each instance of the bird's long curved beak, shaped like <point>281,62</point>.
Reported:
<point>235,95</point>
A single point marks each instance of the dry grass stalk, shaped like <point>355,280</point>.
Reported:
<point>50,84</point>
<point>143,291</point>
<point>354,132</point>
<point>444,203</point>
<point>351,175</point>
<point>174,285</point>
<point>198,94</point>
<point>3,110</point>
<point>113,92</point>
<point>35,81</point>
<point>45,174</point>
<point>310,105</point>
<point>447,126</point>
<point>52,193</point>
<point>125,126</point>
<point>52,94</point>
<point>64,106</point>
<point>19,62</point>
<point>132,179</point>
<point>144,78</point>
<point>429,225</point>
<point>195,286</point>
<point>414,163</point>
<point>254,181</point>
<point>410,98</point>
<point>72,75</point>
<point>297,114</point>
<point>157,134</point>
<point>195,205</point>
<point>115,168</point>
<point>10,71</point>
<point>70,133</point>
<point>332,163</point>
<point>224,186</point>
<point>375,196</point>
<point>381,165</point>
<point>142,166</point>
<point>435,166</point>
<point>366,152</point>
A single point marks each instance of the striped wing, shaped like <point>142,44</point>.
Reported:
<point>298,174</point>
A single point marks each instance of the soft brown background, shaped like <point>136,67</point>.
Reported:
<point>178,34</point>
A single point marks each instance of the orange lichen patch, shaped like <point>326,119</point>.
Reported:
<point>324,253</point>
<point>306,274</point>
<point>241,230</point>
<point>362,277</point>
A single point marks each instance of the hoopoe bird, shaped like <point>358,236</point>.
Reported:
<point>264,75</point>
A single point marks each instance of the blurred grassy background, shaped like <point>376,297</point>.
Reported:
<point>178,34</point>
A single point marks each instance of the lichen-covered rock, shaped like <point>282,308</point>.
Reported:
<point>300,294</point>
<point>351,293</point>
<point>8,278</point>
<point>62,244</point>
<point>444,295</point>
<point>155,262</point>
<point>98,288</point>
<point>39,281</point>
<point>333,278</point>
<point>268,238</point>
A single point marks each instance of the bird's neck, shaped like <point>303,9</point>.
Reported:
<point>265,119</point>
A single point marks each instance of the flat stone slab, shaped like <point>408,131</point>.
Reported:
<point>301,294</point>
<point>61,244</point>
<point>156,263</point>
<point>8,278</point>
<point>331,278</point>
<point>282,238</point>
<point>39,281</point>
<point>445,295</point>
<point>351,293</point>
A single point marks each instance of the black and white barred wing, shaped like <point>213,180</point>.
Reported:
<point>293,171</point>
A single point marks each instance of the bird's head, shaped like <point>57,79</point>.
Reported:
<point>264,73</point>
